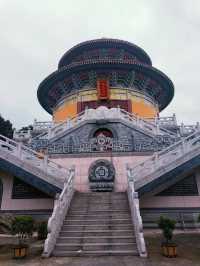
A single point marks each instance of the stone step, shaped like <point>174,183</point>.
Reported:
<point>97,232</point>
<point>97,212</point>
<point>102,200</point>
<point>113,221</point>
<point>98,216</point>
<point>96,227</point>
<point>100,208</point>
<point>95,253</point>
<point>100,194</point>
<point>101,204</point>
<point>118,205</point>
<point>96,239</point>
<point>95,246</point>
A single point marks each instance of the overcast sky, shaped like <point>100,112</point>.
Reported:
<point>35,34</point>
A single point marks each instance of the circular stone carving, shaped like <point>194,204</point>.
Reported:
<point>102,171</point>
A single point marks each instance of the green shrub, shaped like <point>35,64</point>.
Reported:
<point>167,226</point>
<point>42,230</point>
<point>23,226</point>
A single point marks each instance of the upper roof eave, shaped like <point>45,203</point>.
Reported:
<point>68,56</point>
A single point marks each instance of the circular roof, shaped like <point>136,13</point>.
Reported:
<point>87,47</point>
<point>163,95</point>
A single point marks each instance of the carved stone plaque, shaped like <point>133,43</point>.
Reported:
<point>101,175</point>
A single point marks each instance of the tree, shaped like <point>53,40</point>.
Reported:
<point>6,128</point>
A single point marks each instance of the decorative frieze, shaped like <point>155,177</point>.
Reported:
<point>106,144</point>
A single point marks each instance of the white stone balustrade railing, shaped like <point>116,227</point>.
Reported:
<point>60,210</point>
<point>166,160</point>
<point>152,126</point>
<point>22,135</point>
<point>26,157</point>
<point>168,121</point>
<point>103,112</point>
<point>135,215</point>
<point>188,129</point>
<point>42,125</point>
<point>69,123</point>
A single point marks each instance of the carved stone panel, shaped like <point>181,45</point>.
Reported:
<point>101,175</point>
<point>123,139</point>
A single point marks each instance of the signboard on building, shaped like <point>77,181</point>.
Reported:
<point>103,89</point>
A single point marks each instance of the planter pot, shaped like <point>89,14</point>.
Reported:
<point>20,251</point>
<point>169,250</point>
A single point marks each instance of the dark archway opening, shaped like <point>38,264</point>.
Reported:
<point>103,140</point>
<point>103,131</point>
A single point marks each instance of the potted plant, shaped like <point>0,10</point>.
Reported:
<point>22,226</point>
<point>167,225</point>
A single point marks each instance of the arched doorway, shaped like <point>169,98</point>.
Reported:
<point>102,139</point>
<point>101,176</point>
<point>103,131</point>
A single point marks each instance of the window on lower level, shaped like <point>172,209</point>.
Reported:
<point>22,190</point>
<point>184,187</point>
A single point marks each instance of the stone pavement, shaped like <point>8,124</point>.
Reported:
<point>91,261</point>
<point>188,255</point>
<point>100,261</point>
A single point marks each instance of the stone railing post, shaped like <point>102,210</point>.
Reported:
<point>174,119</point>
<point>45,161</point>
<point>197,126</point>
<point>182,131</point>
<point>155,161</point>
<point>19,150</point>
<point>49,134</point>
<point>119,115</point>
<point>157,128</point>
<point>183,146</point>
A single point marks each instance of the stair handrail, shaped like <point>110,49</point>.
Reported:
<point>152,126</point>
<point>61,207</point>
<point>135,214</point>
<point>31,157</point>
<point>171,154</point>
<point>67,124</point>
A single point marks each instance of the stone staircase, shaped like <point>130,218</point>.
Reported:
<point>97,223</point>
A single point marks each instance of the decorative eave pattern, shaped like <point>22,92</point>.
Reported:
<point>146,77</point>
<point>133,49</point>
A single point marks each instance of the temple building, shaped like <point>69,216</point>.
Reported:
<point>108,163</point>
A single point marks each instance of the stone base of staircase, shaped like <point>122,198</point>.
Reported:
<point>98,223</point>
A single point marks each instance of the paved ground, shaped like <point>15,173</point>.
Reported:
<point>188,251</point>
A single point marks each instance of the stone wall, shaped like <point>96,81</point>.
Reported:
<point>82,165</point>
